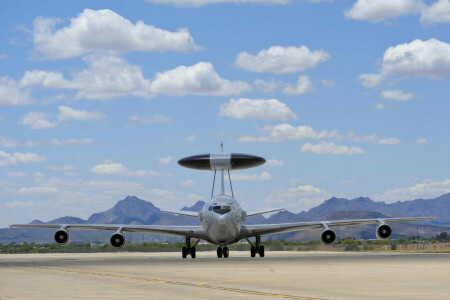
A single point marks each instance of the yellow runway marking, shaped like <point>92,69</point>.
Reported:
<point>155,281</point>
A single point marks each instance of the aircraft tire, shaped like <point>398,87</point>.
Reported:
<point>261,251</point>
<point>226,252</point>
<point>219,252</point>
<point>183,252</point>
<point>193,252</point>
<point>252,251</point>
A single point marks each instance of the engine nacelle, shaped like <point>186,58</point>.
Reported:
<point>117,240</point>
<point>62,237</point>
<point>327,237</point>
<point>384,231</point>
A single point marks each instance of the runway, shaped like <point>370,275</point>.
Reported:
<point>279,275</point>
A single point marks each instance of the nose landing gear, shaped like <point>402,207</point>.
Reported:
<point>223,251</point>
<point>188,250</point>
<point>256,248</point>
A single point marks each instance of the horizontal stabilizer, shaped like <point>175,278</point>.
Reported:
<point>265,212</point>
<point>182,213</point>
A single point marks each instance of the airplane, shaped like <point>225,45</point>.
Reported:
<point>222,217</point>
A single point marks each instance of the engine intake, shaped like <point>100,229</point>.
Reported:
<point>327,237</point>
<point>384,231</point>
<point>62,237</point>
<point>117,240</point>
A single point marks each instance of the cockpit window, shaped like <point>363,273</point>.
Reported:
<point>221,209</point>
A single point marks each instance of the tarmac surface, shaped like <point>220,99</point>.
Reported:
<point>279,275</point>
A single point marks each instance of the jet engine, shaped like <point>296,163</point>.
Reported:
<point>384,231</point>
<point>327,237</point>
<point>62,237</point>
<point>117,240</point>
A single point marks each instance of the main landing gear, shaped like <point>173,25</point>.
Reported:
<point>256,248</point>
<point>188,250</point>
<point>223,251</point>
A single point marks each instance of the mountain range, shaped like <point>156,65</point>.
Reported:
<point>133,210</point>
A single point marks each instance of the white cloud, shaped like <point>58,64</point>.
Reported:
<point>61,168</point>
<point>67,114</point>
<point>198,3</point>
<point>397,95</point>
<point>389,141</point>
<point>117,169</point>
<point>380,106</point>
<point>281,60</point>
<point>251,177</point>
<point>380,10</point>
<point>306,196</point>
<point>188,183</point>
<point>429,58</point>
<point>331,148</point>
<point>438,12</point>
<point>190,138</point>
<point>139,121</point>
<point>165,160</point>
<point>303,86</point>
<point>286,132</point>
<point>12,94</point>
<point>275,163</point>
<point>267,86</point>
<point>428,188</point>
<point>421,141</point>
<point>37,190</point>
<point>257,109</point>
<point>3,56</point>
<point>59,143</point>
<point>7,159</point>
<point>328,83</point>
<point>37,120</point>
<point>199,79</point>
<point>16,174</point>
<point>8,143</point>
<point>104,31</point>
<point>371,80</point>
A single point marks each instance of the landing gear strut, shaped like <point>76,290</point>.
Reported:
<point>257,248</point>
<point>188,250</point>
<point>223,251</point>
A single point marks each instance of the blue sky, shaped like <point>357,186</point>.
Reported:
<point>98,100</point>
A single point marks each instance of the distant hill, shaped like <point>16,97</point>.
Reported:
<point>133,210</point>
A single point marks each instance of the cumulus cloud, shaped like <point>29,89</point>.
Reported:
<point>438,12</point>
<point>421,140</point>
<point>117,169</point>
<point>251,177</point>
<point>104,31</point>
<point>389,141</point>
<point>372,138</point>
<point>331,148</point>
<point>306,196</point>
<point>190,138</point>
<point>328,83</point>
<point>303,86</point>
<point>139,121</point>
<point>199,79</point>
<point>16,174</point>
<point>65,168</point>
<point>281,60</point>
<point>165,160</point>
<point>286,132</point>
<point>267,86</point>
<point>37,120</point>
<point>9,143</point>
<point>68,114</point>
<point>11,93</point>
<point>257,109</point>
<point>12,159</point>
<point>371,80</point>
<point>418,58</point>
<point>188,183</point>
<point>59,143</point>
<point>397,95</point>
<point>428,188</point>
<point>275,163</point>
<point>380,10</point>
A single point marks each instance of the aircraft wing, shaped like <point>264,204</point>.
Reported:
<point>186,231</point>
<point>254,230</point>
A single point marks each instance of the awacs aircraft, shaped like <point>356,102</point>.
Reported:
<point>222,216</point>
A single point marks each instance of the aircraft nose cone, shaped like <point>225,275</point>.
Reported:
<point>222,220</point>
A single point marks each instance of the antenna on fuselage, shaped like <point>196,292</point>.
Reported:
<point>221,162</point>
